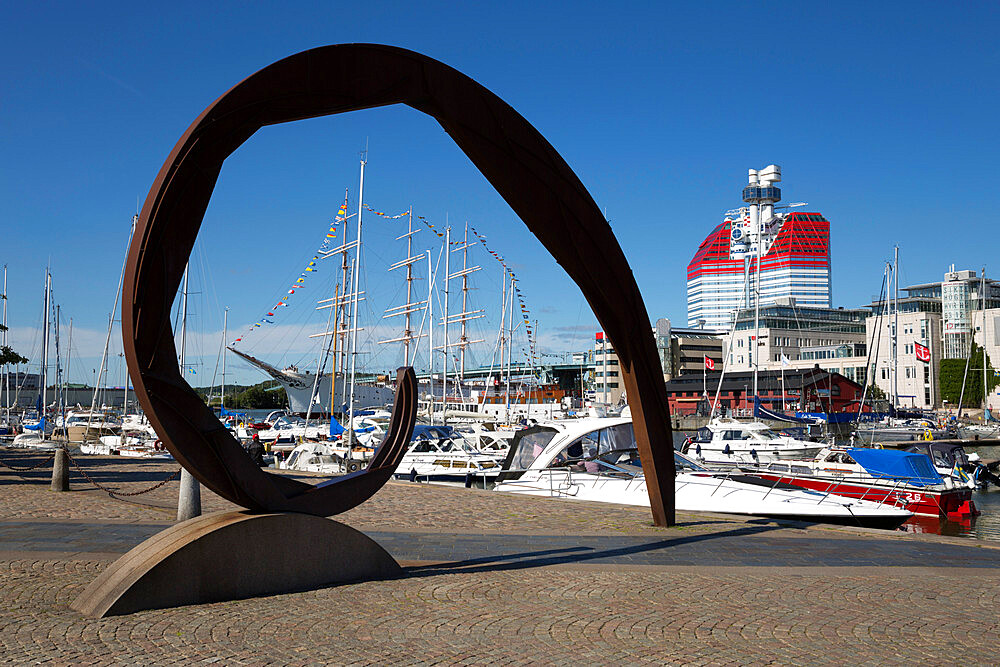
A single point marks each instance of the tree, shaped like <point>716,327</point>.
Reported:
<point>8,355</point>
<point>875,392</point>
<point>259,396</point>
<point>953,370</point>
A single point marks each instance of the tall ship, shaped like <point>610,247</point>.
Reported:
<point>307,395</point>
<point>793,247</point>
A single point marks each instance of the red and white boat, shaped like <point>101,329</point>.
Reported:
<point>904,479</point>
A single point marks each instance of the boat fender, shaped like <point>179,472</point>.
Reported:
<point>413,474</point>
<point>353,466</point>
<point>727,451</point>
<point>697,450</point>
<point>468,480</point>
<point>753,453</point>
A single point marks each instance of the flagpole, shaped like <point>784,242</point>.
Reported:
<point>782,353</point>
<point>704,378</point>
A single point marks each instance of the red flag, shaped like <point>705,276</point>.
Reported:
<point>709,364</point>
<point>923,352</point>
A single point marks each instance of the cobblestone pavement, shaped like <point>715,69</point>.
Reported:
<point>509,580</point>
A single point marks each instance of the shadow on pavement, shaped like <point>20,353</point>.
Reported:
<point>530,559</point>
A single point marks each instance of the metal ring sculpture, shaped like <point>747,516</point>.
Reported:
<point>527,172</point>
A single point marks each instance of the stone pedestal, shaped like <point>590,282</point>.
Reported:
<point>60,470</point>
<point>235,555</point>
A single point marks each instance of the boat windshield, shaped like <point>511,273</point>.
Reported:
<point>684,464</point>
<point>765,434</point>
<point>605,444</point>
<point>529,446</point>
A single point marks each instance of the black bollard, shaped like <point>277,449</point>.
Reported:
<point>60,471</point>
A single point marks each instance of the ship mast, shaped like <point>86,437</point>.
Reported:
<point>444,348</point>
<point>409,307</point>
<point>466,315</point>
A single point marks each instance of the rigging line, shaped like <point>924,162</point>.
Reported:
<point>883,309</point>
<point>878,326</point>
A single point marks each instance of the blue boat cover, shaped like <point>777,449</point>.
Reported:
<point>335,427</point>
<point>40,426</point>
<point>907,467</point>
<point>760,412</point>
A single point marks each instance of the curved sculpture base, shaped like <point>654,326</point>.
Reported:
<point>235,555</point>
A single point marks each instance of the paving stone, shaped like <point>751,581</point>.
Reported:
<point>500,579</point>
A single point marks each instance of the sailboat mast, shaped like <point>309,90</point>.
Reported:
<point>756,315</point>
<point>189,489</point>
<point>107,340</point>
<point>3,332</point>
<point>58,385</point>
<point>895,329</point>
<point>445,348</point>
<point>184,314</point>
<point>69,352</point>
<point>45,342</point>
<point>982,308</point>
<point>430,334</point>
<point>225,329</point>
<point>354,296</point>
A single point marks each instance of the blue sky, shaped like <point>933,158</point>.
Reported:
<point>882,117</point>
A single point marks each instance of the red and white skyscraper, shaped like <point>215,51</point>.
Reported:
<point>794,252</point>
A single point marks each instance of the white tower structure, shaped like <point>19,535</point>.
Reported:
<point>790,248</point>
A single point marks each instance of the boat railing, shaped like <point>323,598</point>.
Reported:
<point>881,489</point>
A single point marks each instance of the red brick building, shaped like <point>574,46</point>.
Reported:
<point>805,390</point>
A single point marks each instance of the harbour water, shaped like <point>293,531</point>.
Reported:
<point>984,527</point>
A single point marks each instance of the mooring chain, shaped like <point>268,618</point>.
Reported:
<point>115,492</point>
<point>37,465</point>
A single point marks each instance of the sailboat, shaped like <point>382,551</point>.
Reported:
<point>34,435</point>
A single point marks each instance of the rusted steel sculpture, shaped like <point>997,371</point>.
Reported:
<point>527,172</point>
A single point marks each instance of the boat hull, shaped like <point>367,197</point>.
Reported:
<point>920,501</point>
<point>706,492</point>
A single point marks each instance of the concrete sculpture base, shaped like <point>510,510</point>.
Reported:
<point>231,556</point>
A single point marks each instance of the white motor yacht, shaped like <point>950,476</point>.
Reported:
<point>597,459</point>
<point>730,442</point>
<point>436,455</point>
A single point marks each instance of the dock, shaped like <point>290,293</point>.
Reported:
<point>491,577</point>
